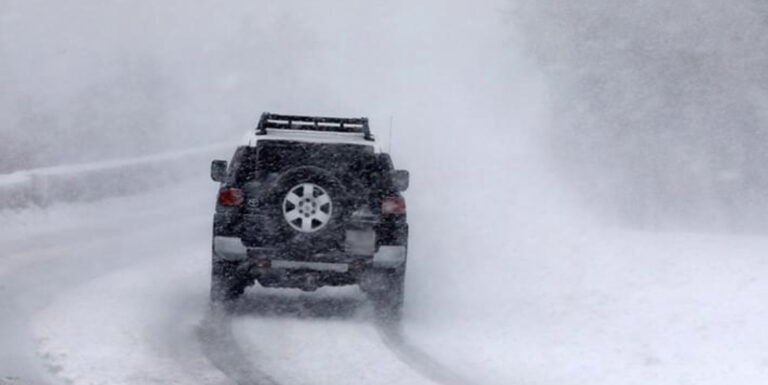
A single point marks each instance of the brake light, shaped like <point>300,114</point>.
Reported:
<point>393,205</point>
<point>231,197</point>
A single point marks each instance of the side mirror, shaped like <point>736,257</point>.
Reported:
<point>400,179</point>
<point>219,170</point>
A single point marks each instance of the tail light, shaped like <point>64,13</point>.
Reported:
<point>393,205</point>
<point>231,197</point>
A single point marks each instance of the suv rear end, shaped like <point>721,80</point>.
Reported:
<point>309,202</point>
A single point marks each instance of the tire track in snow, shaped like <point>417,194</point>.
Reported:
<point>392,336</point>
<point>240,363</point>
<point>22,297</point>
<point>131,324</point>
<point>223,351</point>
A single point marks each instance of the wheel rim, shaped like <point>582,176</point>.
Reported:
<point>307,207</point>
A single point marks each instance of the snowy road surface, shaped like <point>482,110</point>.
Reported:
<point>118,294</point>
<point>508,280</point>
<point>115,292</point>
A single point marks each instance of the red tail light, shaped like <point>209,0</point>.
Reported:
<point>231,197</point>
<point>393,205</point>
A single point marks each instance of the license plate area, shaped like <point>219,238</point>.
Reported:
<point>360,241</point>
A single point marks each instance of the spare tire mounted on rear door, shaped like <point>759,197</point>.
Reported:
<point>307,207</point>
<point>311,204</point>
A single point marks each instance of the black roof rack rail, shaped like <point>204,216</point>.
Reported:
<point>313,123</point>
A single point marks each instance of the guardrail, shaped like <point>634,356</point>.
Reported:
<point>92,181</point>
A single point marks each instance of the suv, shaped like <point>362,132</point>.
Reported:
<point>309,202</point>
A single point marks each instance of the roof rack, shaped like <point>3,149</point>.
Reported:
<point>313,123</point>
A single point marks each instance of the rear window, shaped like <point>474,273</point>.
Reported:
<point>277,156</point>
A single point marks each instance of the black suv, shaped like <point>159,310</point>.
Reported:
<point>309,202</point>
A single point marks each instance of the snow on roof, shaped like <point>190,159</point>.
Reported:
<point>251,139</point>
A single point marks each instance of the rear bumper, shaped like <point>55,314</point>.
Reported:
<point>232,249</point>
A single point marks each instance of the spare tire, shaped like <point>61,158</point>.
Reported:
<point>308,206</point>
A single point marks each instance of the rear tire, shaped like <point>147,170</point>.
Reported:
<point>227,283</point>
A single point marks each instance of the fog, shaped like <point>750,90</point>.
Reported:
<point>658,108</point>
<point>135,77</point>
<point>579,175</point>
<point>464,109</point>
<point>651,113</point>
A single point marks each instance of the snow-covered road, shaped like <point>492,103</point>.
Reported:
<point>116,293</point>
<point>509,279</point>
<point>63,271</point>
